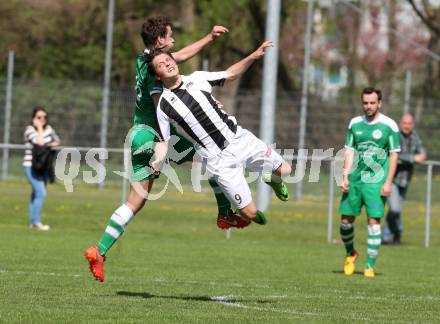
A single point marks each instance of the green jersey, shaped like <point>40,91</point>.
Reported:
<point>146,86</point>
<point>372,143</point>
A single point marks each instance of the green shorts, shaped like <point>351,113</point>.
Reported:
<point>143,140</point>
<point>360,195</point>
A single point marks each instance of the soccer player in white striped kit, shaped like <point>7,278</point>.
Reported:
<point>228,149</point>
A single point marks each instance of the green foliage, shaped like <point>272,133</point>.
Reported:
<point>243,33</point>
<point>66,40</point>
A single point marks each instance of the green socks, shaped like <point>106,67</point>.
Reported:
<point>260,218</point>
<point>373,243</point>
<point>223,204</point>
<point>347,236</point>
<point>277,185</point>
<point>115,228</point>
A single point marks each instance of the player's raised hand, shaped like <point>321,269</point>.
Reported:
<point>237,69</point>
<point>217,31</point>
<point>259,53</point>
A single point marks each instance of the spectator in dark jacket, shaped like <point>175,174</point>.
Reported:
<point>412,151</point>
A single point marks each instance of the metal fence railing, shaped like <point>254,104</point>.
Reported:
<point>74,109</point>
<point>332,171</point>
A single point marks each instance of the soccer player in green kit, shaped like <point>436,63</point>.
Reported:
<point>157,34</point>
<point>370,161</point>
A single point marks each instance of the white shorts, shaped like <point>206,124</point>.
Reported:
<point>246,151</point>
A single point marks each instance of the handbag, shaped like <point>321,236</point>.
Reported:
<point>42,156</point>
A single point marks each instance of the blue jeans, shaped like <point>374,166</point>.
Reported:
<point>38,183</point>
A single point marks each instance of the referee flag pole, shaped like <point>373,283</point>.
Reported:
<point>270,71</point>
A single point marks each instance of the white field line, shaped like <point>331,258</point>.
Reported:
<point>39,273</point>
<point>332,293</point>
<point>210,283</point>
<point>226,300</point>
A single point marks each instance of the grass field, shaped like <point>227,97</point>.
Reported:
<point>174,266</point>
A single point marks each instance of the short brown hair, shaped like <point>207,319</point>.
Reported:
<point>370,90</point>
<point>153,28</point>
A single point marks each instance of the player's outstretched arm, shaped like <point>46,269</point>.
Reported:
<point>234,71</point>
<point>192,49</point>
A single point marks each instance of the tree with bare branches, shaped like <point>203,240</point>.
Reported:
<point>429,14</point>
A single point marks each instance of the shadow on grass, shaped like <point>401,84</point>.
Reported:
<point>146,295</point>
<point>361,273</point>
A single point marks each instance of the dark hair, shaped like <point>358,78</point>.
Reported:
<point>151,57</point>
<point>35,112</point>
<point>371,90</point>
<point>153,28</point>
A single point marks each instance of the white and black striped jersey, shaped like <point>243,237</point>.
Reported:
<point>193,108</point>
<point>30,136</point>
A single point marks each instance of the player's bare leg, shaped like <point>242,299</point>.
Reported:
<point>251,212</point>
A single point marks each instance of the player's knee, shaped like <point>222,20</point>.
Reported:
<point>347,219</point>
<point>283,170</point>
<point>136,200</point>
<point>249,211</point>
<point>286,169</point>
<point>135,204</point>
<point>373,221</point>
